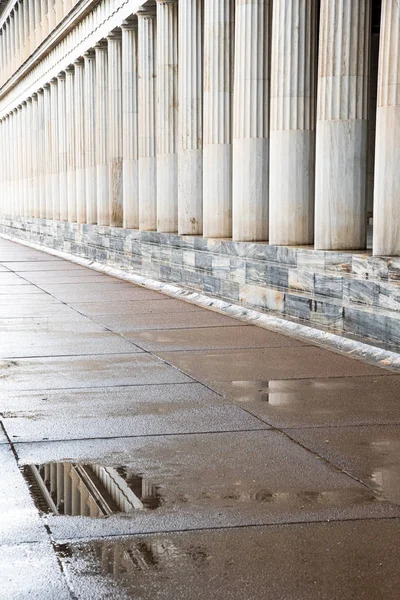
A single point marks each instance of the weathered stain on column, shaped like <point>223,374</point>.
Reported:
<point>251,120</point>
<point>103,214</point>
<point>55,190</point>
<point>115,127</point>
<point>386,232</point>
<point>218,87</point>
<point>79,115</point>
<point>147,120</point>
<point>62,147</point>
<point>70,126</point>
<point>130,123</point>
<point>293,119</point>
<point>341,143</point>
<point>190,122</point>
<point>167,115</point>
<point>90,136</point>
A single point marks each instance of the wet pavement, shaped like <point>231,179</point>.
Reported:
<point>153,449</point>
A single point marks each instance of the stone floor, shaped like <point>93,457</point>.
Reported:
<point>276,462</point>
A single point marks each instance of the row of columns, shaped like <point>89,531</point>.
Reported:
<point>211,118</point>
<point>29,22</point>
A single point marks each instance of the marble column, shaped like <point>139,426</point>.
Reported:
<point>44,25</point>
<point>115,173</point>
<point>386,228</point>
<point>130,124</point>
<point>293,118</point>
<point>218,87</point>
<point>38,19</point>
<point>62,147</point>
<point>90,137</point>
<point>35,156</point>
<point>167,115</point>
<point>24,150</point>
<point>103,215</point>
<point>341,133</point>
<point>251,120</point>
<point>47,153</point>
<point>55,189</point>
<point>190,123</point>
<point>79,114</point>
<point>30,150</point>
<point>41,157</point>
<point>147,120</point>
<point>70,126</point>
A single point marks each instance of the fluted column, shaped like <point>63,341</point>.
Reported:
<point>115,174</point>
<point>218,85</point>
<point>190,124</point>
<point>44,20</point>
<point>19,167</point>
<point>55,189</point>
<point>386,233</point>
<point>47,153</point>
<point>130,124</point>
<point>251,120</point>
<point>103,215</point>
<point>30,150</point>
<point>293,117</point>
<point>341,145</point>
<point>90,136</point>
<point>147,121</point>
<point>38,19</point>
<point>24,149</point>
<point>62,147</point>
<point>167,115</point>
<point>70,125</point>
<point>31,27</point>
<point>80,174</point>
<point>41,157</point>
<point>35,156</point>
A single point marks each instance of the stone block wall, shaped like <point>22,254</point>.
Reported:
<point>340,291</point>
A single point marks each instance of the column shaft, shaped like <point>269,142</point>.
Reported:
<point>130,125</point>
<point>47,154</point>
<point>35,156</point>
<point>115,173</point>
<point>55,190</point>
<point>147,122</point>
<point>386,232</point>
<point>70,125</point>
<point>41,158</point>
<point>90,137</point>
<point>218,84</point>
<point>80,174</point>
<point>103,215</point>
<point>342,112</point>
<point>62,147</point>
<point>167,115</point>
<point>293,116</point>
<point>190,134</point>
<point>251,120</point>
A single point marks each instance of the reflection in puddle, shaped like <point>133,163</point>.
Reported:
<point>89,490</point>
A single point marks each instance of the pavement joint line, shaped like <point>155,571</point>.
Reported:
<point>386,359</point>
<point>143,436</point>
<point>126,536</point>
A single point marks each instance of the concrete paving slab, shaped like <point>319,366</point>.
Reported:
<point>119,313</point>
<point>86,372</point>
<point>67,343</point>
<point>268,363</point>
<point>371,453</point>
<point>59,289</point>
<point>73,323</point>
<point>31,571</point>
<point>211,338</point>
<point>319,402</point>
<point>19,290</point>
<point>11,279</point>
<point>178,320</point>
<point>335,561</point>
<point>117,412</point>
<point>67,277</point>
<point>214,480</point>
<point>42,307</point>
<point>19,519</point>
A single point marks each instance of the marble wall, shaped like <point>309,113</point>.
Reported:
<point>341,291</point>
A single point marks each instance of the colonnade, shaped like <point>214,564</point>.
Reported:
<point>219,117</point>
<point>27,24</point>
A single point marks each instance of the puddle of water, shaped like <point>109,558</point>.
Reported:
<point>89,490</point>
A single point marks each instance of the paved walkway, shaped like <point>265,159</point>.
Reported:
<point>261,467</point>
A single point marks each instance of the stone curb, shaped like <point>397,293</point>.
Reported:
<point>353,348</point>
